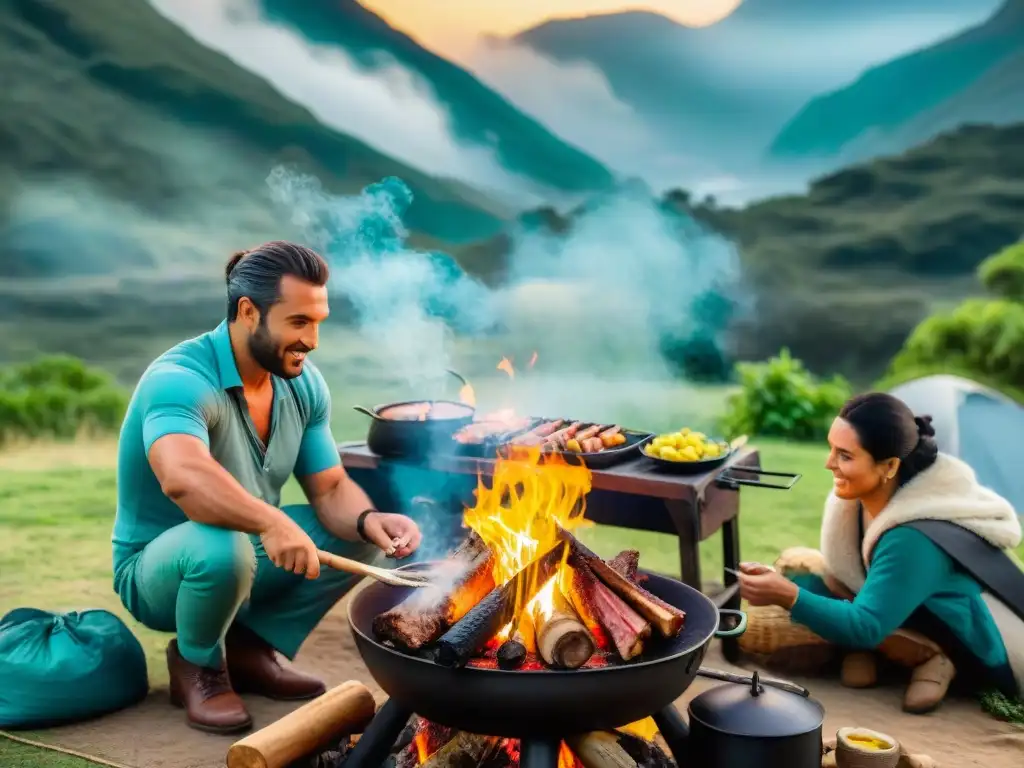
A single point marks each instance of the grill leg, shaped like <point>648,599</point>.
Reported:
<point>674,730</point>
<point>539,754</point>
<point>375,744</point>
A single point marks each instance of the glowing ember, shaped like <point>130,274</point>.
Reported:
<point>530,496</point>
<point>533,360</point>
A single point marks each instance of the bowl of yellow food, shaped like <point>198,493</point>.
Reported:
<point>686,451</point>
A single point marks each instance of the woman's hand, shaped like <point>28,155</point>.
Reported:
<point>762,586</point>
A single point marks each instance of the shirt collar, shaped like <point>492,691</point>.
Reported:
<point>227,369</point>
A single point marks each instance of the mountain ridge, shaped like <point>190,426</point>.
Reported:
<point>93,84</point>
<point>478,113</point>
<point>891,94</point>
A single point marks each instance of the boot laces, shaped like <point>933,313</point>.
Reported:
<point>211,682</point>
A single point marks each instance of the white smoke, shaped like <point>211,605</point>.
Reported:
<point>594,304</point>
<point>390,108</point>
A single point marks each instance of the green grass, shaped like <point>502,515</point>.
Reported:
<point>57,507</point>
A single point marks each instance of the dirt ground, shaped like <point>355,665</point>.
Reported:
<point>154,735</point>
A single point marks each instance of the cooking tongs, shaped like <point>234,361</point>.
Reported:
<point>396,578</point>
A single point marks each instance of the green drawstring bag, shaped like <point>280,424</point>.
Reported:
<point>58,668</point>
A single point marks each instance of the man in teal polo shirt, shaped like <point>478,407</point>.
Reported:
<point>201,545</point>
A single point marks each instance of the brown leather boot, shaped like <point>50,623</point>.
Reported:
<point>928,685</point>
<point>206,695</point>
<point>256,668</point>
<point>859,670</point>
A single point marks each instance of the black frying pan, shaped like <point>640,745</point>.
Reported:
<point>541,703</point>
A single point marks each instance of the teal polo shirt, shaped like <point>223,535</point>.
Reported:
<point>195,389</point>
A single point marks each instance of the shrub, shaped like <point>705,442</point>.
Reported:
<point>983,339</point>
<point>1003,274</point>
<point>781,398</point>
<point>58,397</point>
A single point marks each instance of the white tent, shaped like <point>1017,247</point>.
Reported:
<point>980,425</point>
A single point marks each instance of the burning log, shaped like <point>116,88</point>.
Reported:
<point>627,562</point>
<point>598,606</point>
<point>562,639</point>
<point>430,611</point>
<point>498,608</point>
<point>512,652</point>
<point>466,750</point>
<point>600,749</point>
<point>667,618</point>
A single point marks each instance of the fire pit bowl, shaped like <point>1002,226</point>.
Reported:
<point>538,704</point>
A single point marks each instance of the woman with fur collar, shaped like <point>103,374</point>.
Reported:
<point>881,574</point>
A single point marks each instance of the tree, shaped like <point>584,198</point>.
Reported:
<point>981,338</point>
<point>1003,274</point>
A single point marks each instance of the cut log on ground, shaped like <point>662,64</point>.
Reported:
<point>504,603</point>
<point>464,579</point>
<point>600,749</point>
<point>667,618</point>
<point>346,708</point>
<point>598,606</point>
<point>563,641</point>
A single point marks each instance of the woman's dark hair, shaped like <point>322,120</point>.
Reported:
<point>887,429</point>
<point>257,272</point>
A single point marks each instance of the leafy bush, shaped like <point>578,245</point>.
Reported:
<point>1003,274</point>
<point>980,338</point>
<point>782,398</point>
<point>58,397</point>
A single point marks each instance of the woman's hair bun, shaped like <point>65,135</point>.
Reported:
<point>924,426</point>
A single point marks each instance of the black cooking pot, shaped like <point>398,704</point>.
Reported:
<point>749,721</point>
<point>414,428</point>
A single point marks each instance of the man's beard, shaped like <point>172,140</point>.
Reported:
<point>264,350</point>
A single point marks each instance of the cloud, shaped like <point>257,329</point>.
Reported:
<point>390,108</point>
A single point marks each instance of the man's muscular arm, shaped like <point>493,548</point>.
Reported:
<point>205,491</point>
<point>176,407</point>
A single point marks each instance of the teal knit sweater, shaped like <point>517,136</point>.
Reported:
<point>907,571</point>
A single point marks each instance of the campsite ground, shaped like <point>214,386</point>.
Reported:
<point>58,500</point>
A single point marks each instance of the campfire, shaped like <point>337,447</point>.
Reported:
<point>523,593</point>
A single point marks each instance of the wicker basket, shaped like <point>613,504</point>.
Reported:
<point>770,629</point>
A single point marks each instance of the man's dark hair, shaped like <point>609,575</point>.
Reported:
<point>257,272</point>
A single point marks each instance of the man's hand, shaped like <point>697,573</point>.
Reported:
<point>397,535</point>
<point>768,588</point>
<point>289,547</point>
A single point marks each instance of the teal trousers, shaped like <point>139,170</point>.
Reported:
<point>195,580</point>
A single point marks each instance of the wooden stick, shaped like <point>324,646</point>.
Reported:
<point>600,749</point>
<point>346,708</point>
<point>563,641</point>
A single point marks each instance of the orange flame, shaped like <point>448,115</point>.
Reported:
<point>467,395</point>
<point>566,759</point>
<point>506,366</point>
<point>645,729</point>
<point>518,516</point>
<point>422,750</point>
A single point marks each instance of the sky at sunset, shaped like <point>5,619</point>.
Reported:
<point>455,23</point>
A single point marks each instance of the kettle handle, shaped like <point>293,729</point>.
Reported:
<point>729,677</point>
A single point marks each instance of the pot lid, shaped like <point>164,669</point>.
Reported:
<point>756,710</point>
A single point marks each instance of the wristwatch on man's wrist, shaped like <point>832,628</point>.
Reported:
<point>361,523</point>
